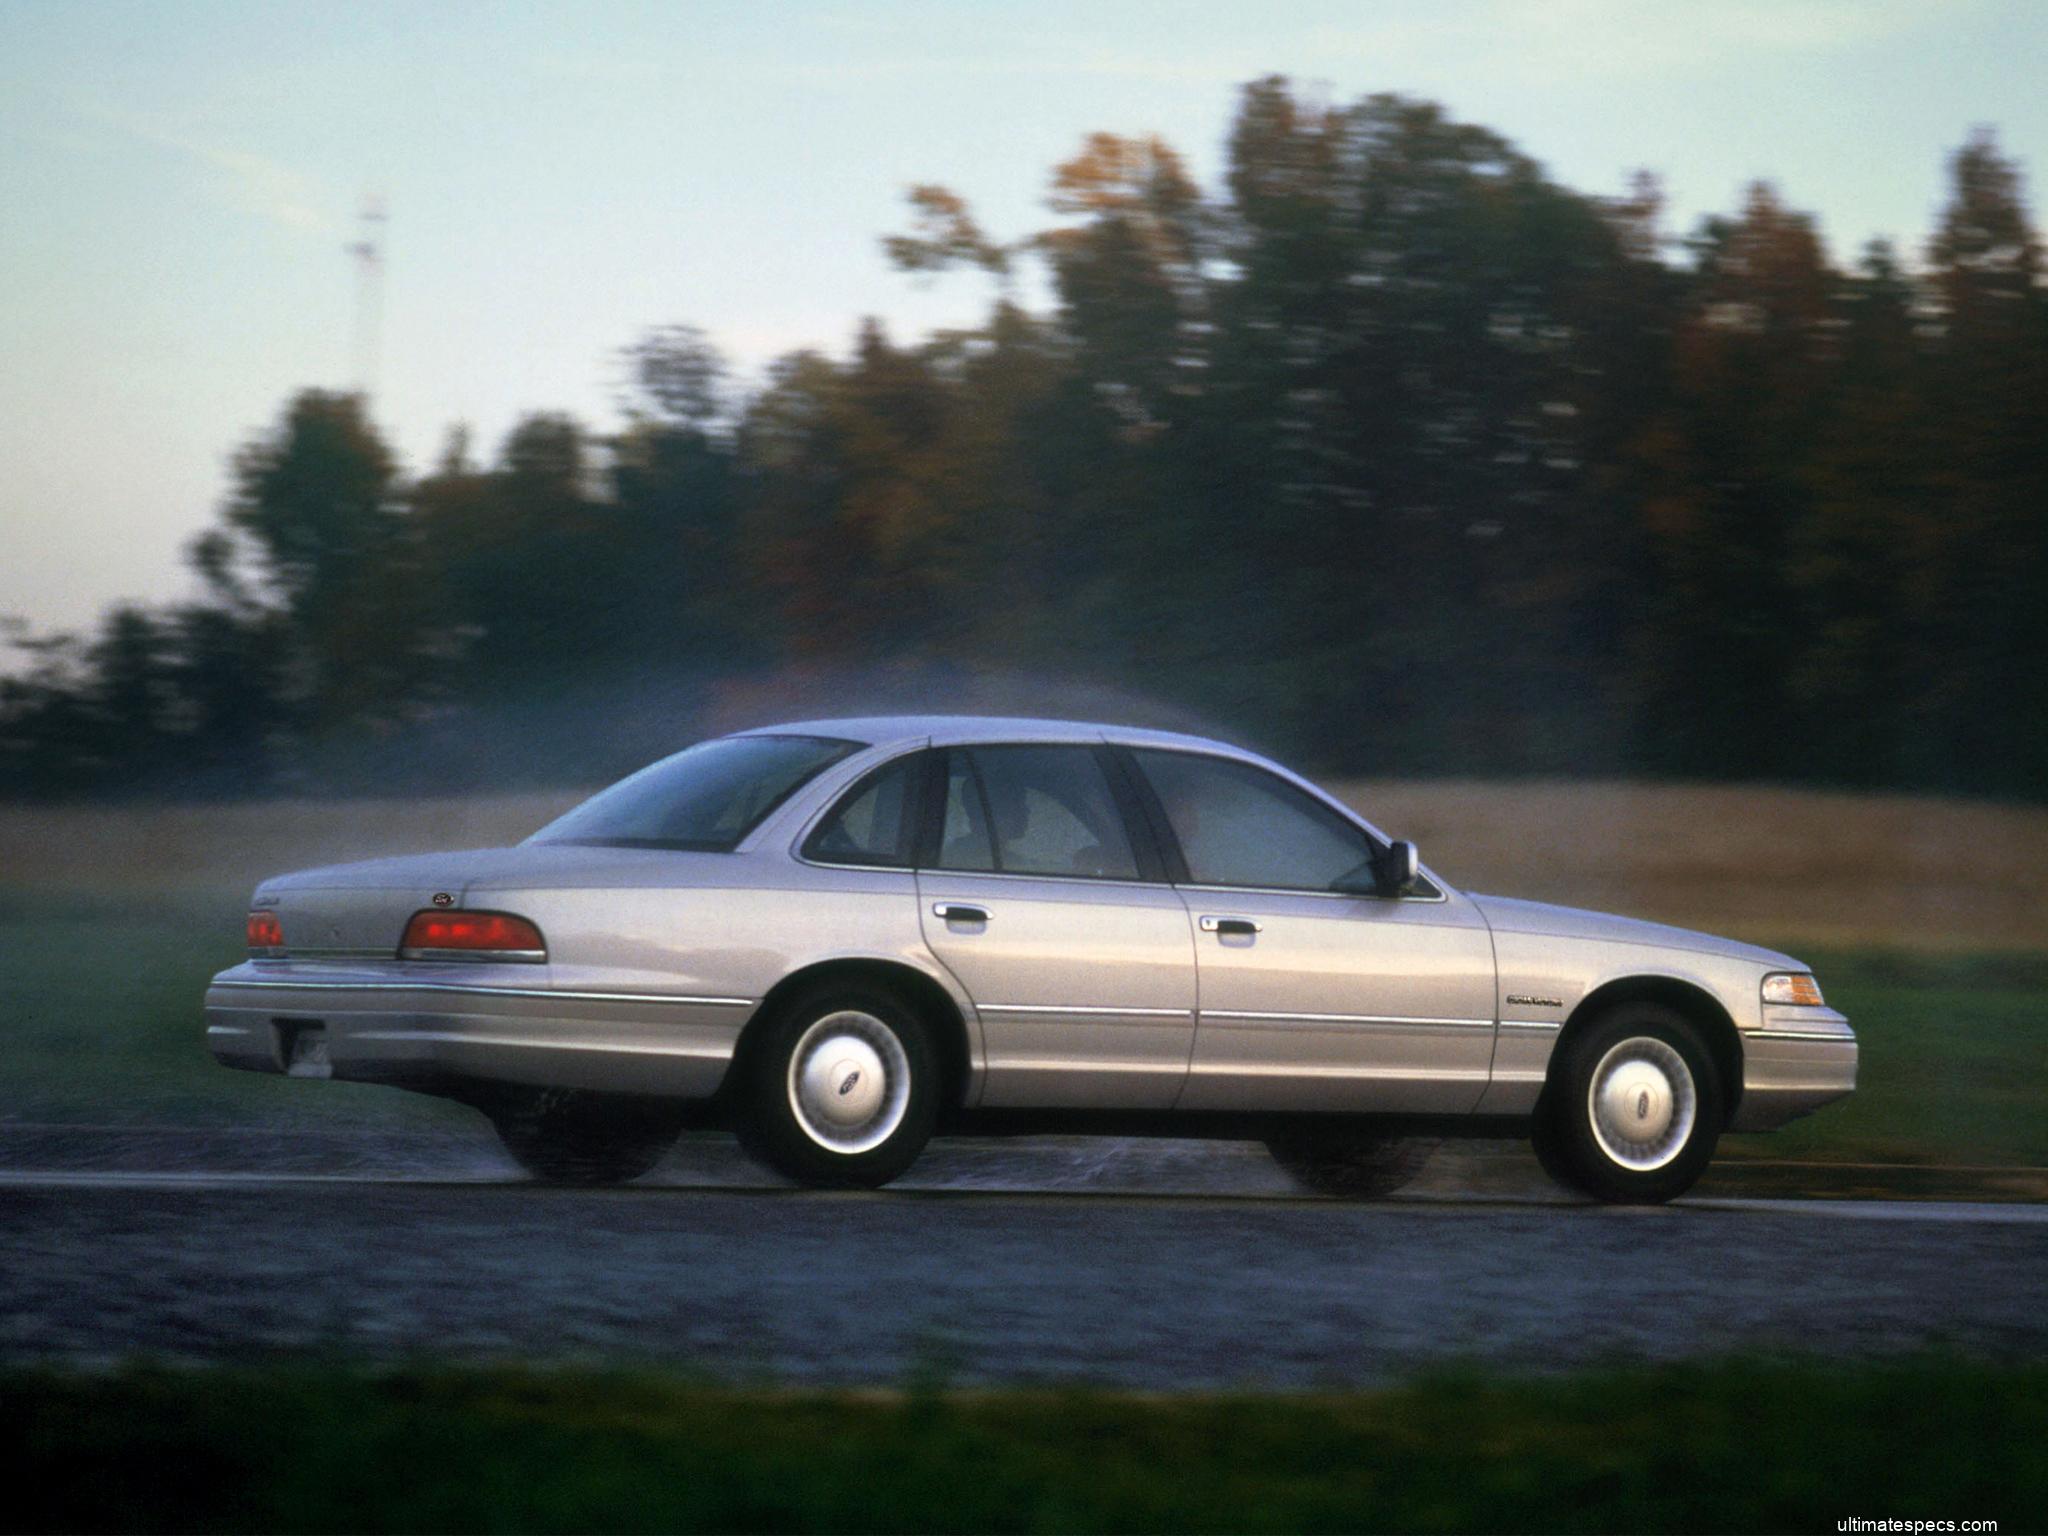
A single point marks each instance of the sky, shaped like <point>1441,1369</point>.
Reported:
<point>181,180</point>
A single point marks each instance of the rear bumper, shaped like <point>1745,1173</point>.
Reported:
<point>433,1033</point>
<point>1800,1059</point>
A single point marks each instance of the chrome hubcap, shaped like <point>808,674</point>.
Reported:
<point>849,1082</point>
<point>1642,1104</point>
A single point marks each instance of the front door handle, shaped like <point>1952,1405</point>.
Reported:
<point>1242,927</point>
<point>959,912</point>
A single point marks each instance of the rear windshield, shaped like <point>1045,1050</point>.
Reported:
<point>706,798</point>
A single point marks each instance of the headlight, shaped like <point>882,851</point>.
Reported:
<point>1795,987</point>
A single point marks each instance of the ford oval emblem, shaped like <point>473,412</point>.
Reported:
<point>443,899</point>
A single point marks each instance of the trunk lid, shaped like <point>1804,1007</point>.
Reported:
<point>359,911</point>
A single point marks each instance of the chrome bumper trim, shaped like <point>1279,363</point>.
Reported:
<point>454,1037</point>
<point>1336,1073</point>
<point>1392,1021</point>
<point>1790,1069</point>
<point>471,990</point>
<point>1093,1013</point>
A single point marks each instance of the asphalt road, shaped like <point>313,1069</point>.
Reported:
<point>1145,1290</point>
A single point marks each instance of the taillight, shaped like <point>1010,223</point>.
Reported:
<point>266,936</point>
<point>471,936</point>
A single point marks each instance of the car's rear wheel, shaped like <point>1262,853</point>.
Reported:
<point>1351,1166</point>
<point>566,1137</point>
<point>1633,1107</point>
<point>1548,1146</point>
<point>841,1089</point>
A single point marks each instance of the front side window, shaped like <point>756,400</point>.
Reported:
<point>1032,810</point>
<point>875,822</point>
<point>1240,825</point>
<point>708,797</point>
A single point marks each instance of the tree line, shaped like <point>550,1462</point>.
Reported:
<point>1389,452</point>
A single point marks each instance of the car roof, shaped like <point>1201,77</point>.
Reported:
<point>896,730</point>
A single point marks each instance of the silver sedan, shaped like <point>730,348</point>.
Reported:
<point>836,938</point>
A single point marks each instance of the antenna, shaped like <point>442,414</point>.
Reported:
<point>369,258</point>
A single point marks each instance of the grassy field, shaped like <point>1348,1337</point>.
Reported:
<point>1802,869</point>
<point>1798,867</point>
<point>1729,1446</point>
<point>101,995</point>
<point>112,920</point>
<point>1954,1068</point>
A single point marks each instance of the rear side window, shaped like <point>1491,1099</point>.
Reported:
<point>708,797</point>
<point>875,822</point>
<point>1031,810</point>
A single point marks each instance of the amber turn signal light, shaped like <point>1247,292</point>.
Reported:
<point>1793,987</point>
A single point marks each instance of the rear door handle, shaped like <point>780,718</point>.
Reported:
<point>1243,927</point>
<point>959,912</point>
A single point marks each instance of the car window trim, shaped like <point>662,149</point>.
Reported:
<point>1439,894</point>
<point>1106,880</point>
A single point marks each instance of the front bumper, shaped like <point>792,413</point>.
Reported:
<point>389,1024</point>
<point>1800,1059</point>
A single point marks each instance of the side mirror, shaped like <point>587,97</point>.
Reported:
<point>1398,869</point>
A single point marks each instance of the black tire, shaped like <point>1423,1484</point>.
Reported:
<point>1351,1166</point>
<point>1601,1159</point>
<point>783,1110</point>
<point>561,1136</point>
<point>1548,1145</point>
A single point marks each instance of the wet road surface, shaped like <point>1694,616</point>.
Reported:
<point>1228,1281</point>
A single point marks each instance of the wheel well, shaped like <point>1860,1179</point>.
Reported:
<point>1699,1006</point>
<point>919,991</point>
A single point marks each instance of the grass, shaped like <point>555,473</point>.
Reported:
<point>1954,1066</point>
<point>102,997</point>
<point>1724,1446</point>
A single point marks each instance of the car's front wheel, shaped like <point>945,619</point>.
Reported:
<point>841,1090</point>
<point>566,1137</point>
<point>1633,1108</point>
<point>1351,1167</point>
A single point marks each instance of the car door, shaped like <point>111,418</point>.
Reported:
<point>1313,998</point>
<point>1050,907</point>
